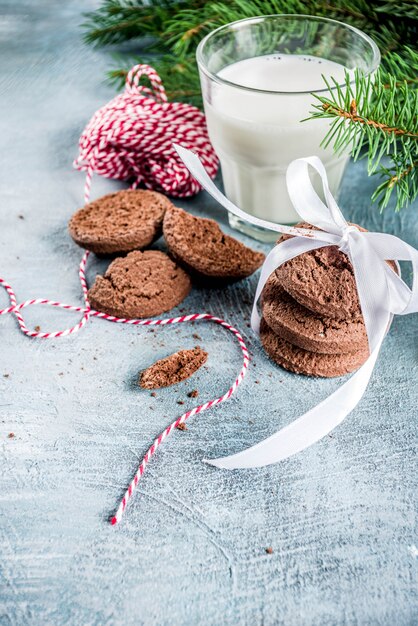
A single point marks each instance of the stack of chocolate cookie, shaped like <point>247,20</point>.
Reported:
<point>312,322</point>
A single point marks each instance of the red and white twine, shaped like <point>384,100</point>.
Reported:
<point>15,309</point>
<point>131,138</point>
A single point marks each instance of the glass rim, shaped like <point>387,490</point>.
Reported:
<point>202,65</point>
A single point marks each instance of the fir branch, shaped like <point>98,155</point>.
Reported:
<point>117,21</point>
<point>399,8</point>
<point>352,116</point>
<point>403,180</point>
<point>402,64</point>
<point>368,114</point>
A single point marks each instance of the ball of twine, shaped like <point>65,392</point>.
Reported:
<point>131,138</point>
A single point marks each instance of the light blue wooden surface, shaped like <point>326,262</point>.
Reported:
<point>341,516</point>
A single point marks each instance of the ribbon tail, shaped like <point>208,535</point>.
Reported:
<point>403,299</point>
<point>195,167</point>
<point>307,429</point>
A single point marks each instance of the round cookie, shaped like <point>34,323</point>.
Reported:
<point>140,285</point>
<point>310,331</point>
<point>201,247</point>
<point>309,363</point>
<point>322,280</point>
<point>120,222</point>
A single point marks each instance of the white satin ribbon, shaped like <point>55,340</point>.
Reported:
<point>382,293</point>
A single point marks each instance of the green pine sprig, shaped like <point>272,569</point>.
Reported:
<point>376,117</point>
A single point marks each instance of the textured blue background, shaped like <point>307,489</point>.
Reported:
<point>341,516</point>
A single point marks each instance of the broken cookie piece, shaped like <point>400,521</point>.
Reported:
<point>200,246</point>
<point>173,369</point>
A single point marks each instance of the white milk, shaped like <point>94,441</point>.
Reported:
<point>256,135</point>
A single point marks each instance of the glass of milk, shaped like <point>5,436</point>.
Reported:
<point>257,77</point>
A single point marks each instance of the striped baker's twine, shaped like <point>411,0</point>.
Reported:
<point>199,409</point>
<point>15,309</point>
<point>131,138</point>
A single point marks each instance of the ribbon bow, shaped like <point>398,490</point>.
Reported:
<point>381,291</point>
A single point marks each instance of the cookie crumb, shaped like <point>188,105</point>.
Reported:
<point>257,382</point>
<point>11,436</point>
<point>153,394</point>
<point>180,402</point>
<point>197,337</point>
<point>269,550</point>
<point>37,328</point>
<point>182,426</point>
<point>193,394</point>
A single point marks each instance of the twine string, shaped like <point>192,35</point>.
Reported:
<point>131,138</point>
<point>16,309</point>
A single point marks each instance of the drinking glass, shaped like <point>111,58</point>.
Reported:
<point>257,77</point>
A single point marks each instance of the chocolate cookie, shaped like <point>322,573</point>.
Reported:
<point>120,222</point>
<point>173,369</point>
<point>201,247</point>
<point>142,284</point>
<point>309,363</point>
<point>310,331</point>
<point>322,280</point>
